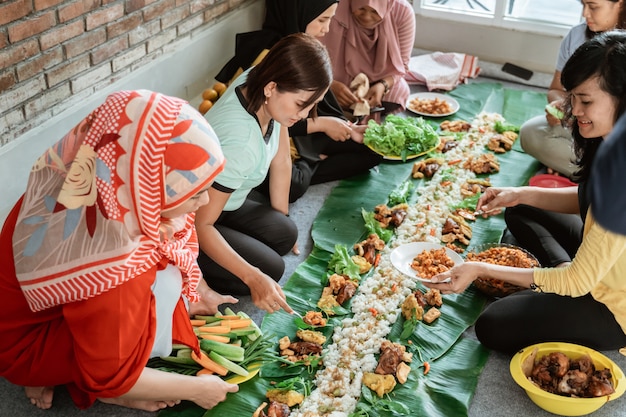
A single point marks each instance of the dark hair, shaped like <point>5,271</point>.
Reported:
<point>603,56</point>
<point>621,20</point>
<point>295,63</point>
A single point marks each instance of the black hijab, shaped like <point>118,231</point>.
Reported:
<point>282,18</point>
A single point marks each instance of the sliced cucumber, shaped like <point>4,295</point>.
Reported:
<point>231,366</point>
<point>233,353</point>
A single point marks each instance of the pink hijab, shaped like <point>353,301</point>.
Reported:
<point>354,49</point>
<point>91,214</point>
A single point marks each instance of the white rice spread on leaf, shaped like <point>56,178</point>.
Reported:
<point>356,342</point>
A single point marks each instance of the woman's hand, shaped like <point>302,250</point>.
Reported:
<point>211,390</point>
<point>558,105</point>
<point>343,94</point>
<point>458,278</point>
<point>267,293</point>
<point>375,94</point>
<point>335,128</point>
<point>494,199</point>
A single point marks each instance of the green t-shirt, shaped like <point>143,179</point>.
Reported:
<point>248,154</point>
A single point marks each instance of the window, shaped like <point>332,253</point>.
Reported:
<point>540,16</point>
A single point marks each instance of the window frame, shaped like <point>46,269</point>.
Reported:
<point>498,19</point>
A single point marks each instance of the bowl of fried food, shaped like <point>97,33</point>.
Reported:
<point>500,254</point>
<point>567,379</point>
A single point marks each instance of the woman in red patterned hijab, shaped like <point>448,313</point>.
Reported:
<point>103,242</point>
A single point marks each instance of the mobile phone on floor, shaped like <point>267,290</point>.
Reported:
<point>517,71</point>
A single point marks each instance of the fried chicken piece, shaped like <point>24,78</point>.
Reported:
<point>314,318</point>
<point>455,125</point>
<point>486,163</point>
<point>433,297</point>
<point>368,247</point>
<point>600,384</point>
<point>426,168</point>
<point>447,144</point>
<point>549,370</point>
<point>502,142</point>
<point>474,186</point>
<point>573,383</point>
<point>390,358</point>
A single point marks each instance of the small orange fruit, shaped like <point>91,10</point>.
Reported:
<point>219,87</point>
<point>210,94</point>
<point>205,106</point>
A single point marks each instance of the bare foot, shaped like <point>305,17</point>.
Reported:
<point>357,133</point>
<point>40,396</point>
<point>144,405</point>
<point>209,302</point>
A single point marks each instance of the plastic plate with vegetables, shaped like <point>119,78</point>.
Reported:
<point>231,346</point>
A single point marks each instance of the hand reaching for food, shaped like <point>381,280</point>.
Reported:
<point>494,200</point>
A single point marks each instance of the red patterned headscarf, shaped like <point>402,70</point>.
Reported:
<point>91,215</point>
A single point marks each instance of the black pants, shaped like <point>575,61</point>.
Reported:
<point>525,318</point>
<point>552,237</point>
<point>261,235</point>
<point>344,160</point>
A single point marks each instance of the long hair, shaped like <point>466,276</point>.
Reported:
<point>297,62</point>
<point>604,57</point>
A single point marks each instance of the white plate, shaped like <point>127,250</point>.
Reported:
<point>430,96</point>
<point>402,256</point>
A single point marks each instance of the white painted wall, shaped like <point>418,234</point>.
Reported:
<point>534,51</point>
<point>184,72</point>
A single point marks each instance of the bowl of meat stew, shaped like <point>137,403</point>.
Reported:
<point>567,379</point>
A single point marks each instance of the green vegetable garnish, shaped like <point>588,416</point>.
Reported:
<point>400,136</point>
<point>341,262</point>
<point>503,126</point>
<point>400,194</point>
<point>555,112</point>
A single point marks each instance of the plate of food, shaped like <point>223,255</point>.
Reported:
<point>432,104</point>
<point>500,254</point>
<point>423,260</point>
<point>401,138</point>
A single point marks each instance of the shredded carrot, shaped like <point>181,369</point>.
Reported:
<point>427,206</point>
<point>377,259</point>
<point>420,224</point>
<point>373,311</point>
<point>394,287</point>
<point>426,367</point>
<point>445,183</point>
<point>433,232</point>
<point>456,161</point>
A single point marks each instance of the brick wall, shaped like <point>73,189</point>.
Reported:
<point>53,53</point>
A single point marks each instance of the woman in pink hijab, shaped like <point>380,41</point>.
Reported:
<point>374,37</point>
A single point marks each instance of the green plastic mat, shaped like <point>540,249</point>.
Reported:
<point>456,361</point>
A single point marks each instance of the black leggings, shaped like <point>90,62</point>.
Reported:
<point>552,237</point>
<point>525,318</point>
<point>257,232</point>
<point>344,159</point>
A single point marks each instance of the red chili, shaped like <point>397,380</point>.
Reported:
<point>426,367</point>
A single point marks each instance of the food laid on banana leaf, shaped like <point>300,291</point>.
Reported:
<point>445,206</point>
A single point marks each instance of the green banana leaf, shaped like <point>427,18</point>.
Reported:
<point>456,362</point>
<point>447,389</point>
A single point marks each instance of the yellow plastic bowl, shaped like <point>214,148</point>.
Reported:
<point>557,404</point>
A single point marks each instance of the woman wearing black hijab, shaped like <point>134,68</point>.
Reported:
<point>326,146</point>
